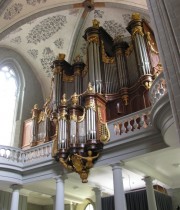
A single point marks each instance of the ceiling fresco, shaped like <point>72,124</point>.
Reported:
<point>57,30</point>
<point>41,29</point>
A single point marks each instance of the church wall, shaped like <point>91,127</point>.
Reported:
<point>30,93</point>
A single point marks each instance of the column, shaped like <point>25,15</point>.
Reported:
<point>150,193</point>
<point>119,195</point>
<point>15,197</point>
<point>98,205</point>
<point>59,202</point>
<point>71,206</point>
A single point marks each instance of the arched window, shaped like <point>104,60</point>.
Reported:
<point>89,207</point>
<point>8,96</point>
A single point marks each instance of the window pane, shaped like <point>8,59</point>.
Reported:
<point>89,207</point>
<point>8,92</point>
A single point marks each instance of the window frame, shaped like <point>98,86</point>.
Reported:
<point>20,81</point>
<point>88,205</point>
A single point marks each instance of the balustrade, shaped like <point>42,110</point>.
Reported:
<point>130,123</point>
<point>26,156</point>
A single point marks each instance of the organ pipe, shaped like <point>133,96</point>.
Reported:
<point>136,31</point>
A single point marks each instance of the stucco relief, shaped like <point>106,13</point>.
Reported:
<point>126,18</point>
<point>83,49</point>
<point>33,53</point>
<point>59,43</point>
<point>74,12</point>
<point>46,61</point>
<point>34,2</point>
<point>98,13</point>
<point>16,40</point>
<point>12,11</point>
<point>114,28</point>
<point>46,29</point>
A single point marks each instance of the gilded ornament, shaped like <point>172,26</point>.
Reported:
<point>137,30</point>
<point>90,88</point>
<point>148,85</point>
<point>81,118</point>
<point>67,78</point>
<point>73,117</point>
<point>84,175</point>
<point>63,115</point>
<point>129,50</point>
<point>89,159</point>
<point>75,99</point>
<point>136,16</point>
<point>95,23</point>
<point>61,56</point>
<point>77,72</point>
<point>35,111</point>
<point>93,38</point>
<point>125,99</point>
<point>105,58</point>
<point>150,43</point>
<point>64,100</point>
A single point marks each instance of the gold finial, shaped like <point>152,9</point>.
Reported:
<point>63,100</point>
<point>61,56</point>
<point>77,59</point>
<point>95,23</point>
<point>125,99</point>
<point>148,84</point>
<point>90,88</point>
<point>35,106</point>
<point>74,99</point>
<point>118,38</point>
<point>136,16</point>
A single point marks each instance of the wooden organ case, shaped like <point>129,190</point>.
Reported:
<point>120,72</point>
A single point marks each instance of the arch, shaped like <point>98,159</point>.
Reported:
<point>12,63</point>
<point>29,90</point>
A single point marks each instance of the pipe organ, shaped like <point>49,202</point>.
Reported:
<point>117,77</point>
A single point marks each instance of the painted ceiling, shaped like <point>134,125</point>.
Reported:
<point>41,29</point>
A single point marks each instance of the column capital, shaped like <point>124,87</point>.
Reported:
<point>15,187</point>
<point>60,178</point>
<point>148,179</point>
<point>117,165</point>
<point>97,189</point>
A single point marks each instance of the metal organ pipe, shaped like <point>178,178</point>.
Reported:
<point>120,48</point>
<point>136,30</point>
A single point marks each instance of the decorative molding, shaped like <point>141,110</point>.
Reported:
<point>12,11</point>
<point>46,61</point>
<point>83,49</point>
<point>74,12</point>
<point>114,28</point>
<point>16,40</point>
<point>126,18</point>
<point>59,43</point>
<point>98,13</point>
<point>33,53</point>
<point>34,2</point>
<point>46,29</point>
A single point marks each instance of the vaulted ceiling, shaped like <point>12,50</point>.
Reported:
<point>41,29</point>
